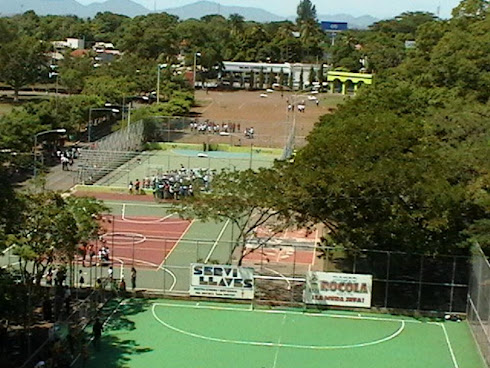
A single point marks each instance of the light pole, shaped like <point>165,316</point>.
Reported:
<point>59,131</point>
<point>89,126</point>
<point>196,54</point>
<point>159,67</point>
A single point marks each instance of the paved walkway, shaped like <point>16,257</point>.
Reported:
<point>57,179</point>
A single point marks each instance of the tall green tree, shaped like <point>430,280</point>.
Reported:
<point>306,12</point>
<point>21,61</point>
<point>261,78</point>
<point>238,198</point>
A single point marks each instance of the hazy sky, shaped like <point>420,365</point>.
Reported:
<point>377,8</point>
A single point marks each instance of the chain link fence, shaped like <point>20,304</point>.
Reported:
<point>401,281</point>
<point>478,312</point>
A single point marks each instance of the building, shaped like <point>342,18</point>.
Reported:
<point>242,70</point>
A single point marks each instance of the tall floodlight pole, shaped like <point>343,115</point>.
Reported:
<point>196,54</point>
<point>59,131</point>
<point>159,67</point>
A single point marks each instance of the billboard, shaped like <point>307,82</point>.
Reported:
<point>340,289</point>
<point>333,26</point>
<point>222,281</point>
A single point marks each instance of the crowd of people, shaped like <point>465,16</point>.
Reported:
<point>66,157</point>
<point>208,126</point>
<point>174,184</point>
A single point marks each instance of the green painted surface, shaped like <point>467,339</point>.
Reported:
<point>162,161</point>
<point>183,334</point>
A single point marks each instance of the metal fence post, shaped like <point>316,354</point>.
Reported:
<point>387,279</point>
<point>419,297</point>
<point>453,277</point>
<point>164,265</point>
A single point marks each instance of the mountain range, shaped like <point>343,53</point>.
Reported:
<point>132,9</point>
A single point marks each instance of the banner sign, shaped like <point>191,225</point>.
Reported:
<point>341,289</point>
<point>334,26</point>
<point>222,281</point>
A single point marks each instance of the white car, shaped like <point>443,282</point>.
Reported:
<point>312,98</point>
<point>264,95</point>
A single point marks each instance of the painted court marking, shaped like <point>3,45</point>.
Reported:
<point>217,241</point>
<point>271,344</point>
<point>359,316</point>
<point>279,342</point>
<point>123,238</point>
<point>162,219</point>
<point>176,244</point>
<point>174,277</point>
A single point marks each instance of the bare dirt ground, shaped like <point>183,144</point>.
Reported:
<point>268,116</point>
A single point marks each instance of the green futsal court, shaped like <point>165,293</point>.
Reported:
<point>169,333</point>
<point>155,163</point>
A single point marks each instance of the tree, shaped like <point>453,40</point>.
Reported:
<point>321,76</point>
<point>261,78</point>
<point>386,172</point>
<point>150,36</point>
<point>51,230</point>
<point>471,9</point>
<point>291,80</point>
<point>20,63</point>
<point>111,90</point>
<point>251,83</point>
<point>73,71</point>
<point>306,12</point>
<point>249,200</point>
<point>282,78</point>
<point>311,77</point>
<point>301,80</point>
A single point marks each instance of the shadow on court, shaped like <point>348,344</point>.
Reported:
<point>115,349</point>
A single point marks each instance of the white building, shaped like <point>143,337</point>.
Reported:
<point>244,69</point>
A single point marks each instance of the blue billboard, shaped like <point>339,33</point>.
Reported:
<point>334,26</point>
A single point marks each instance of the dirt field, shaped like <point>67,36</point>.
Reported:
<point>268,116</point>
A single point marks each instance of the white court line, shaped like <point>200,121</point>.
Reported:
<point>279,341</point>
<point>160,220</point>
<point>261,343</point>
<point>217,241</point>
<point>140,204</point>
<point>207,107</point>
<point>451,351</point>
<point>132,236</point>
<point>324,315</point>
<point>5,251</point>
<point>176,244</point>
<point>155,265</point>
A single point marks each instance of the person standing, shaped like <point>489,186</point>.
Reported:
<point>97,332</point>
<point>130,187</point>
<point>133,278</point>
<point>81,279</point>
<point>137,186</point>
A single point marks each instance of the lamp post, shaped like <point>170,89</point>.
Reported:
<point>159,67</point>
<point>196,54</point>
<point>59,131</point>
<point>89,126</point>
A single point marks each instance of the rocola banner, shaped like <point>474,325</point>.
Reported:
<point>222,281</point>
<point>342,289</point>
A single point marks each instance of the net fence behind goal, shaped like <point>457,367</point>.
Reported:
<point>478,312</point>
